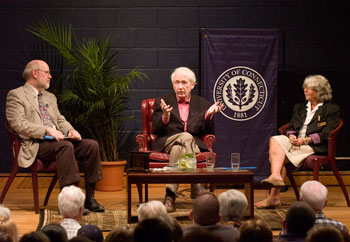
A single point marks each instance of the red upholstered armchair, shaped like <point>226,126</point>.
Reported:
<point>314,162</point>
<point>158,159</point>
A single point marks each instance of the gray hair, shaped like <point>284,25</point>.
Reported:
<point>152,209</point>
<point>319,84</point>
<point>314,194</point>
<point>70,200</point>
<point>4,212</point>
<point>185,70</point>
<point>233,204</point>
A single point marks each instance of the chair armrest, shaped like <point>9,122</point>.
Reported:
<point>142,140</point>
<point>282,129</point>
<point>208,140</point>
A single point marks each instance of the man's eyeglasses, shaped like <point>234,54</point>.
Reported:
<point>46,72</point>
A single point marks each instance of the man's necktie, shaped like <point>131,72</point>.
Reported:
<point>43,110</point>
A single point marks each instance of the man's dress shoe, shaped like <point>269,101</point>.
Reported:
<point>93,206</point>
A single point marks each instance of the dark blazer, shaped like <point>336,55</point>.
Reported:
<point>324,121</point>
<point>196,124</point>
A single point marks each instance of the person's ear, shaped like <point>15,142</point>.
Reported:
<point>192,85</point>
<point>219,218</point>
<point>191,215</point>
<point>35,73</point>
<point>325,203</point>
<point>81,210</point>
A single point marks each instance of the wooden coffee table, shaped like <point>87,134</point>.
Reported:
<point>200,175</point>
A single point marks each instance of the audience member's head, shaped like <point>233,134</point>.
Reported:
<point>156,209</point>
<point>314,194</point>
<point>36,236</point>
<point>255,230</point>
<point>152,229</point>
<point>71,202</point>
<point>200,234</point>
<point>92,232</point>
<point>324,233</point>
<point>55,232</point>
<point>233,204</point>
<point>121,234</point>
<point>176,229</point>
<point>300,218</point>
<point>4,237</point>
<point>80,238</point>
<point>205,209</point>
<point>8,226</point>
<point>4,212</point>
<point>279,239</point>
<point>152,209</point>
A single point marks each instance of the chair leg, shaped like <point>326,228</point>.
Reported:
<point>211,188</point>
<point>316,169</point>
<point>35,189</point>
<point>146,192</point>
<point>341,182</point>
<point>8,183</point>
<point>294,185</point>
<point>52,185</point>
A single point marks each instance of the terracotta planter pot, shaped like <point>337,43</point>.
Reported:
<point>113,176</point>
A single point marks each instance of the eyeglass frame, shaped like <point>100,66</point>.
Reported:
<point>46,72</point>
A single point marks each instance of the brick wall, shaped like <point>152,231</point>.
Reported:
<point>158,36</point>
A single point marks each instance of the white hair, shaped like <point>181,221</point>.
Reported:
<point>185,70</point>
<point>5,212</point>
<point>314,193</point>
<point>319,84</point>
<point>70,200</point>
<point>233,204</point>
<point>152,209</point>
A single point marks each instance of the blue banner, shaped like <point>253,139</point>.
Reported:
<point>241,72</point>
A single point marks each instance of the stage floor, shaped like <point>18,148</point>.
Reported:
<point>20,201</point>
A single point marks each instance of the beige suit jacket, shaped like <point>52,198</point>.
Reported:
<point>23,115</point>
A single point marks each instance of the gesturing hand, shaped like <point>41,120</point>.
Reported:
<point>165,108</point>
<point>216,107</point>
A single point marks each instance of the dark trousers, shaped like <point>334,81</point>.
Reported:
<point>66,153</point>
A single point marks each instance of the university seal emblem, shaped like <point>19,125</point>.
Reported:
<point>243,92</point>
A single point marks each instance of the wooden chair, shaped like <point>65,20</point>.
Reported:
<point>159,159</point>
<point>37,166</point>
<point>314,162</point>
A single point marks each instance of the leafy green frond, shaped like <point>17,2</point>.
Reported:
<point>100,92</point>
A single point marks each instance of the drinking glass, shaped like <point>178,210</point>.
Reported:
<point>210,160</point>
<point>235,161</point>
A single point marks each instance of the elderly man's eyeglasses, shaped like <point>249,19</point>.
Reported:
<point>46,72</point>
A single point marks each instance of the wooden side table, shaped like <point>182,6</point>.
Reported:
<point>200,175</point>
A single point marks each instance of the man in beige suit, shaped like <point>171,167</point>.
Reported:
<point>33,113</point>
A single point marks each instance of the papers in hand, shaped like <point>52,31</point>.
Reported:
<point>48,137</point>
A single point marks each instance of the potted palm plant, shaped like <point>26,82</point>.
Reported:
<point>99,93</point>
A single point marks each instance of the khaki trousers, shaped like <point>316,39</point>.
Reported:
<point>178,144</point>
